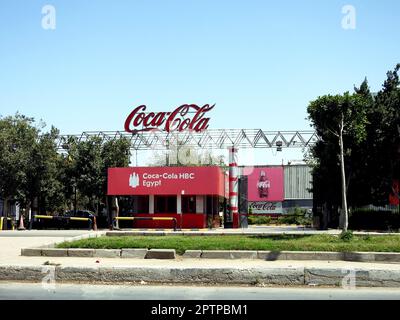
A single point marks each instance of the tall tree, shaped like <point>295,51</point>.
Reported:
<point>115,153</point>
<point>45,188</point>
<point>339,120</point>
<point>388,133</point>
<point>88,170</point>
<point>18,137</point>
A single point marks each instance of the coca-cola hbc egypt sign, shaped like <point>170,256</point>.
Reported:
<point>166,181</point>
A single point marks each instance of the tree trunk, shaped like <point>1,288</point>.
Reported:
<point>5,213</point>
<point>114,211</point>
<point>345,218</point>
<point>117,211</point>
<point>5,207</point>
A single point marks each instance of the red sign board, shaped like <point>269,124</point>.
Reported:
<point>394,197</point>
<point>166,181</point>
<point>265,184</point>
<point>177,120</point>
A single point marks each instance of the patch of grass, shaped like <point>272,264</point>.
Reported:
<point>346,235</point>
<point>240,242</point>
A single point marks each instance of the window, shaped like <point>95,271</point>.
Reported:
<point>143,204</point>
<point>165,204</point>
<point>188,204</point>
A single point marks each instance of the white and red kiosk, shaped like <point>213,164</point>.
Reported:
<point>193,195</point>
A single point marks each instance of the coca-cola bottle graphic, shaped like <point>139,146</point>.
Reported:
<point>263,185</point>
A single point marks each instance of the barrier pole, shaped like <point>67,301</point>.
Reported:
<point>1,223</point>
<point>233,185</point>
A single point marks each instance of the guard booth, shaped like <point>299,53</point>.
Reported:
<point>192,196</point>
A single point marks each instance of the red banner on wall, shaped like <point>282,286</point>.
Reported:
<point>265,184</point>
<point>395,194</point>
<point>166,181</point>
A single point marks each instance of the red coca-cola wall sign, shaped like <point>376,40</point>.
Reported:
<point>265,184</point>
<point>186,117</point>
<point>263,207</point>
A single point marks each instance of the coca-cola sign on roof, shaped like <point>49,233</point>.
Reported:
<point>185,117</point>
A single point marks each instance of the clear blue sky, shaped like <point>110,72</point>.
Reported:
<point>261,62</point>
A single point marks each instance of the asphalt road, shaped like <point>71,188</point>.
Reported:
<point>35,291</point>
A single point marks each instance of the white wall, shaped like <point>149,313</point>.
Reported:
<point>151,204</point>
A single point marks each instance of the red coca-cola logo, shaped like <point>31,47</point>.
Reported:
<point>178,120</point>
<point>262,206</point>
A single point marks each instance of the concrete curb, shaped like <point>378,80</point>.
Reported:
<point>100,253</point>
<point>161,254</point>
<point>216,254</point>
<point>295,255</point>
<point>231,254</point>
<point>252,276</point>
<point>133,253</point>
<point>362,277</point>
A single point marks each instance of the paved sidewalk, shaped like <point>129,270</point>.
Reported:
<point>11,242</point>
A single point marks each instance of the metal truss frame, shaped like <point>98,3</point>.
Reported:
<point>208,139</point>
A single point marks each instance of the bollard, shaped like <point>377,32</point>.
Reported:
<point>21,223</point>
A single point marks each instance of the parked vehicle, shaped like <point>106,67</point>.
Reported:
<point>79,224</point>
<point>81,219</point>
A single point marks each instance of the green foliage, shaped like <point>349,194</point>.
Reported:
<point>29,163</point>
<point>372,219</point>
<point>114,153</point>
<point>371,144</point>
<point>86,167</point>
<point>346,235</point>
<point>33,172</point>
<point>297,216</point>
<point>17,142</point>
<point>259,219</point>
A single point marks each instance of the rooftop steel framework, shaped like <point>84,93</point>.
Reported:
<point>208,139</point>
